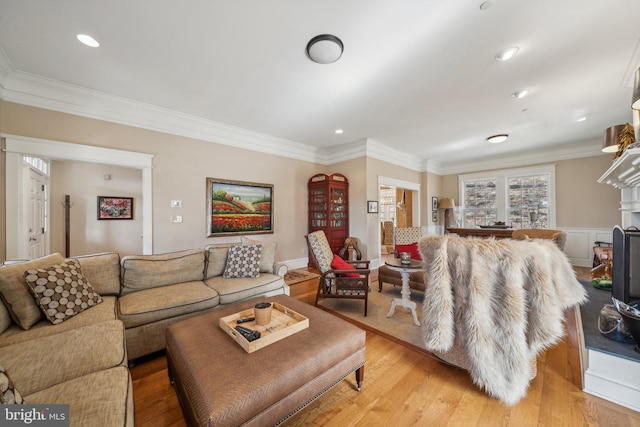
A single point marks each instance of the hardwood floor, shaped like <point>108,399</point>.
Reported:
<point>403,387</point>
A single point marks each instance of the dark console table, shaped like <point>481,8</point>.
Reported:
<point>498,233</point>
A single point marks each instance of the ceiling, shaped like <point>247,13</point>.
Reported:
<point>416,76</point>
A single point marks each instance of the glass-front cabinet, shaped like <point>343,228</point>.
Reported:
<point>329,207</point>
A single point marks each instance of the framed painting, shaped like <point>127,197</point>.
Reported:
<point>237,207</point>
<point>115,207</point>
<point>372,206</point>
<point>434,203</point>
<point>434,216</point>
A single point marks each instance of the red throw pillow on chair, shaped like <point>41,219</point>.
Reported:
<point>340,264</point>
<point>411,248</point>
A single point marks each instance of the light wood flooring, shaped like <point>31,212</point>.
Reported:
<point>403,387</point>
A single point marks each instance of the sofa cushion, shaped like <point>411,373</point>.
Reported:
<point>216,260</point>
<point>8,393</point>
<point>103,272</point>
<point>39,364</point>
<point>98,399</point>
<point>151,305</point>
<point>151,271</point>
<point>243,261</point>
<point>15,292</point>
<point>268,257</point>
<point>61,290</point>
<point>99,313</point>
<point>232,290</point>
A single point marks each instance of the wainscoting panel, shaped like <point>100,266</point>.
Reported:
<point>580,242</point>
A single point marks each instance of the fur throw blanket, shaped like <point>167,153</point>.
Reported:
<point>501,302</point>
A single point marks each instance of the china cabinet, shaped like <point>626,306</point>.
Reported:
<point>329,207</point>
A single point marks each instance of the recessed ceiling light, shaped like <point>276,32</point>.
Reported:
<point>87,40</point>
<point>581,119</point>
<point>496,139</point>
<point>521,93</point>
<point>339,131</point>
<point>506,54</point>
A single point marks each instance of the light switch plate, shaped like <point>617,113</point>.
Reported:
<point>176,219</point>
<point>176,203</point>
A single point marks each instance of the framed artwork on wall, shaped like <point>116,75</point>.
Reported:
<point>434,203</point>
<point>372,206</point>
<point>434,216</point>
<point>238,207</point>
<point>115,207</point>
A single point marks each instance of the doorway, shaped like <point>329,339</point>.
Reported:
<point>399,203</point>
<point>18,146</point>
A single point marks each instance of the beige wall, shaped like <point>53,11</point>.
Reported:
<point>83,182</point>
<point>3,200</point>
<point>180,168</point>
<point>580,201</point>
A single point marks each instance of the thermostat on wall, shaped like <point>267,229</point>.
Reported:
<point>176,203</point>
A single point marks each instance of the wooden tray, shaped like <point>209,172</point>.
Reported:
<point>284,322</point>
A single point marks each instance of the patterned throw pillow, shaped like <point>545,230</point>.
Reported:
<point>8,393</point>
<point>61,290</point>
<point>243,261</point>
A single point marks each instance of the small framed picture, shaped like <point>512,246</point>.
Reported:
<point>434,216</point>
<point>372,206</point>
<point>434,204</point>
<point>115,207</point>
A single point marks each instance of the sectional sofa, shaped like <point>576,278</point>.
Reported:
<point>70,327</point>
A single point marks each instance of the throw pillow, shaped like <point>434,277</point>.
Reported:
<point>411,248</point>
<point>268,253</point>
<point>8,393</point>
<point>61,290</point>
<point>340,264</point>
<point>17,298</point>
<point>243,261</point>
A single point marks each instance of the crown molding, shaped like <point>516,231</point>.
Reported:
<point>589,148</point>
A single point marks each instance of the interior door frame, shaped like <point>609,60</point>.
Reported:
<point>384,181</point>
<point>16,146</point>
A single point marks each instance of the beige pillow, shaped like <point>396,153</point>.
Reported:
<point>243,261</point>
<point>16,295</point>
<point>61,290</point>
<point>268,253</point>
<point>216,260</point>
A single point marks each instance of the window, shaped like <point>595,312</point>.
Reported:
<point>522,198</point>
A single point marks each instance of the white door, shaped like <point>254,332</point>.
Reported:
<point>34,198</point>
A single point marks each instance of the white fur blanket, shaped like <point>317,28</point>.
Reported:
<point>501,302</point>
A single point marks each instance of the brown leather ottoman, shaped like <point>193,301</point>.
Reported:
<point>219,384</point>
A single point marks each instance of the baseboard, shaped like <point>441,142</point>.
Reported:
<point>613,378</point>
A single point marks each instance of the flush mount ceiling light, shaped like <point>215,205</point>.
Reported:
<point>325,49</point>
<point>506,54</point>
<point>521,93</point>
<point>496,139</point>
<point>87,40</point>
<point>635,99</point>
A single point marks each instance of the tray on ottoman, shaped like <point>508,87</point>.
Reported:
<point>284,322</point>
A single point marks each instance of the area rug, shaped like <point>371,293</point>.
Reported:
<point>399,327</point>
<point>297,276</point>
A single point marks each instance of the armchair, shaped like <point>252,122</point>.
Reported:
<point>402,236</point>
<point>350,282</point>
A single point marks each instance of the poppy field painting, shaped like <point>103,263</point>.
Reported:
<point>236,207</point>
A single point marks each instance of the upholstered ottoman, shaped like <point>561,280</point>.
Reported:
<point>220,384</point>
